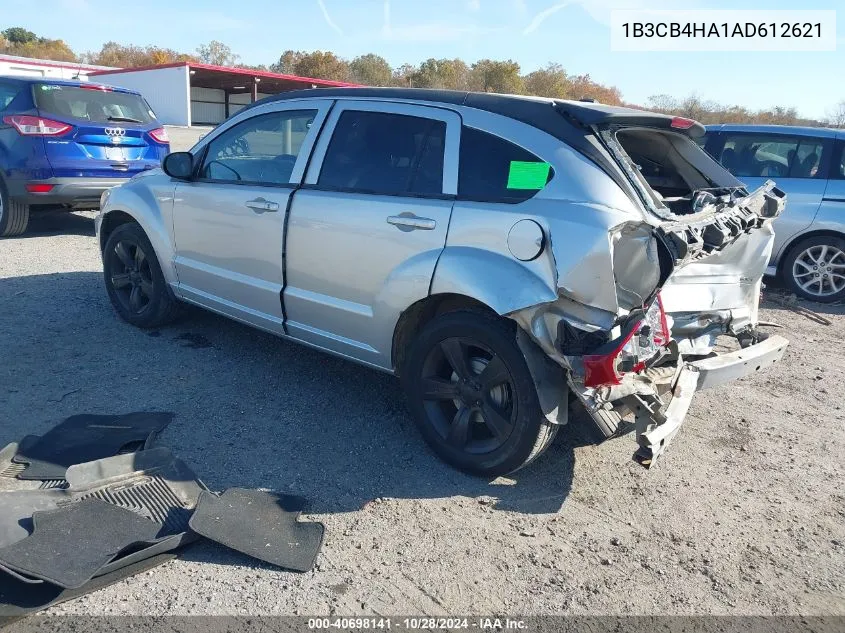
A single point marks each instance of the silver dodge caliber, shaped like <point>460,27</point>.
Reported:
<point>504,256</point>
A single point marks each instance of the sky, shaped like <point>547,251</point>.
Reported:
<point>573,33</point>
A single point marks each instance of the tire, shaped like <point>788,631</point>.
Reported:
<point>134,281</point>
<point>804,274</point>
<point>14,216</point>
<point>483,429</point>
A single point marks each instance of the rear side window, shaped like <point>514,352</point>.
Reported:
<point>495,170</point>
<point>8,91</point>
<point>772,156</point>
<point>384,153</point>
<point>91,104</point>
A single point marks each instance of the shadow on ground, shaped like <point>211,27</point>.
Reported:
<point>777,297</point>
<point>252,410</point>
<point>57,222</point>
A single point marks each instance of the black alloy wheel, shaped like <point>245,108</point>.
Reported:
<point>468,394</point>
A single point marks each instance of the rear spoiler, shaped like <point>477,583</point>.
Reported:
<point>595,115</point>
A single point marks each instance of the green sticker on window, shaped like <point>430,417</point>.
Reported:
<point>528,175</point>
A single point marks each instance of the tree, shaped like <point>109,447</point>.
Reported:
<point>487,75</point>
<point>662,103</point>
<point>583,87</point>
<point>287,62</point>
<point>836,116</point>
<point>38,47</point>
<point>550,81</point>
<point>317,64</point>
<point>19,35</point>
<point>121,56</point>
<point>450,74</point>
<point>403,76</point>
<point>371,70</point>
<point>217,54</point>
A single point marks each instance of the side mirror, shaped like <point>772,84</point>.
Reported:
<point>179,165</point>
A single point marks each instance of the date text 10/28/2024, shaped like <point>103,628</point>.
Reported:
<point>417,624</point>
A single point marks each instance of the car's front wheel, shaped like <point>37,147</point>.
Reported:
<point>815,268</point>
<point>472,394</point>
<point>134,281</point>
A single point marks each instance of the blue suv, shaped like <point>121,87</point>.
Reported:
<point>62,143</point>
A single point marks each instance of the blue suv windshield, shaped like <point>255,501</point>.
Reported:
<point>91,104</point>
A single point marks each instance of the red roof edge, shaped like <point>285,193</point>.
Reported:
<point>237,71</point>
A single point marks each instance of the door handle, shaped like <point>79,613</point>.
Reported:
<point>260,205</point>
<point>410,222</point>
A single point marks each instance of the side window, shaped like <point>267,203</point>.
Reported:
<point>8,91</point>
<point>260,150</point>
<point>493,169</point>
<point>383,153</point>
<point>771,156</point>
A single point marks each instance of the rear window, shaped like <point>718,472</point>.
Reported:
<point>493,169</point>
<point>91,104</point>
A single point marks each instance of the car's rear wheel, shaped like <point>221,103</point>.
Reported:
<point>815,268</point>
<point>134,281</point>
<point>14,216</point>
<point>472,395</point>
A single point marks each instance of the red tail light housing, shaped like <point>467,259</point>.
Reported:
<point>36,126</point>
<point>160,136</point>
<point>631,352</point>
<point>99,87</point>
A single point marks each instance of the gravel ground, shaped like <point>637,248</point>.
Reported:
<point>745,514</point>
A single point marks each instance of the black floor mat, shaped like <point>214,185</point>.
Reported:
<point>260,524</point>
<point>18,599</point>
<point>71,544</point>
<point>151,483</point>
<point>86,438</point>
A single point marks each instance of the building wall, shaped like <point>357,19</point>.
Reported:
<point>10,65</point>
<point>208,105</point>
<point>240,100</point>
<point>167,90</point>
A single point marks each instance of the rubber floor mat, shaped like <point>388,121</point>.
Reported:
<point>18,599</point>
<point>260,524</point>
<point>86,438</point>
<point>70,545</point>
<point>152,483</point>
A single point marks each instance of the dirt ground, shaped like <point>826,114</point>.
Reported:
<point>745,513</point>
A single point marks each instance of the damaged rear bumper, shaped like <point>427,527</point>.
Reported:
<point>658,421</point>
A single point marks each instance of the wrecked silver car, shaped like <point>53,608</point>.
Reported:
<point>499,254</point>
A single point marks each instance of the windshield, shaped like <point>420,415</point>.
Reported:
<point>91,104</point>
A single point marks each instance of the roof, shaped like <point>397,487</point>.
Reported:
<point>76,83</point>
<point>796,130</point>
<point>208,70</point>
<point>544,113</point>
<point>51,64</point>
